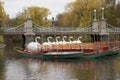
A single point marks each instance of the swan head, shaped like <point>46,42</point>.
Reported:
<point>71,37</point>
<point>50,37</point>
<point>37,37</point>
<point>64,36</point>
<point>80,37</point>
<point>58,37</point>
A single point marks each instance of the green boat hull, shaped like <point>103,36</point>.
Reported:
<point>50,55</point>
<point>66,55</point>
<point>61,55</point>
<point>99,55</point>
<point>24,55</point>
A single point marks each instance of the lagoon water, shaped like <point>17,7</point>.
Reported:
<point>12,67</point>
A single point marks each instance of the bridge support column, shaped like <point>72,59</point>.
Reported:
<point>103,31</point>
<point>29,35</point>
<point>95,37</point>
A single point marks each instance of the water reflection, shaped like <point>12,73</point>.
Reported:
<point>2,65</point>
<point>14,68</point>
<point>26,69</point>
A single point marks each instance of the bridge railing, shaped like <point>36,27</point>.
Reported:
<point>56,29</point>
<point>37,28</point>
<point>112,29</point>
<point>85,29</point>
<point>19,28</point>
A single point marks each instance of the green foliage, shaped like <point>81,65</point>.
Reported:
<point>117,10</point>
<point>3,16</point>
<point>113,14</point>
<point>80,13</point>
<point>38,15</point>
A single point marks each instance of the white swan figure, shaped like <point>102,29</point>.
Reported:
<point>56,39</point>
<point>64,42</point>
<point>70,41</point>
<point>77,41</point>
<point>48,43</point>
<point>33,46</point>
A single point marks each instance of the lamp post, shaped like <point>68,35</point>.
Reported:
<point>103,13</point>
<point>53,21</point>
<point>95,15</point>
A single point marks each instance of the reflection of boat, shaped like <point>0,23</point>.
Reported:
<point>49,55</point>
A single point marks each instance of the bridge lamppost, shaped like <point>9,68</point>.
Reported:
<point>103,13</point>
<point>95,15</point>
<point>53,21</point>
<point>25,12</point>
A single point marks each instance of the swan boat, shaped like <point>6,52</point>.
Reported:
<point>72,50</point>
<point>90,50</point>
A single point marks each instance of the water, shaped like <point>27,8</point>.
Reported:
<point>14,68</point>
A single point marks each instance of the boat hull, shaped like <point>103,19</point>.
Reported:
<point>66,55</point>
<point>49,55</point>
<point>62,55</point>
<point>102,54</point>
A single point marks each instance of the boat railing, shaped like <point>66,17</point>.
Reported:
<point>106,46</point>
<point>114,45</point>
<point>96,47</point>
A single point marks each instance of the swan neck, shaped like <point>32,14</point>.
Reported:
<point>56,39</point>
<point>36,40</point>
<point>64,39</point>
<point>48,39</point>
<point>70,40</point>
<point>79,38</point>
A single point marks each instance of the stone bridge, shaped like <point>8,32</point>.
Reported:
<point>29,29</point>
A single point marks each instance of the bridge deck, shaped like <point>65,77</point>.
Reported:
<point>55,33</point>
